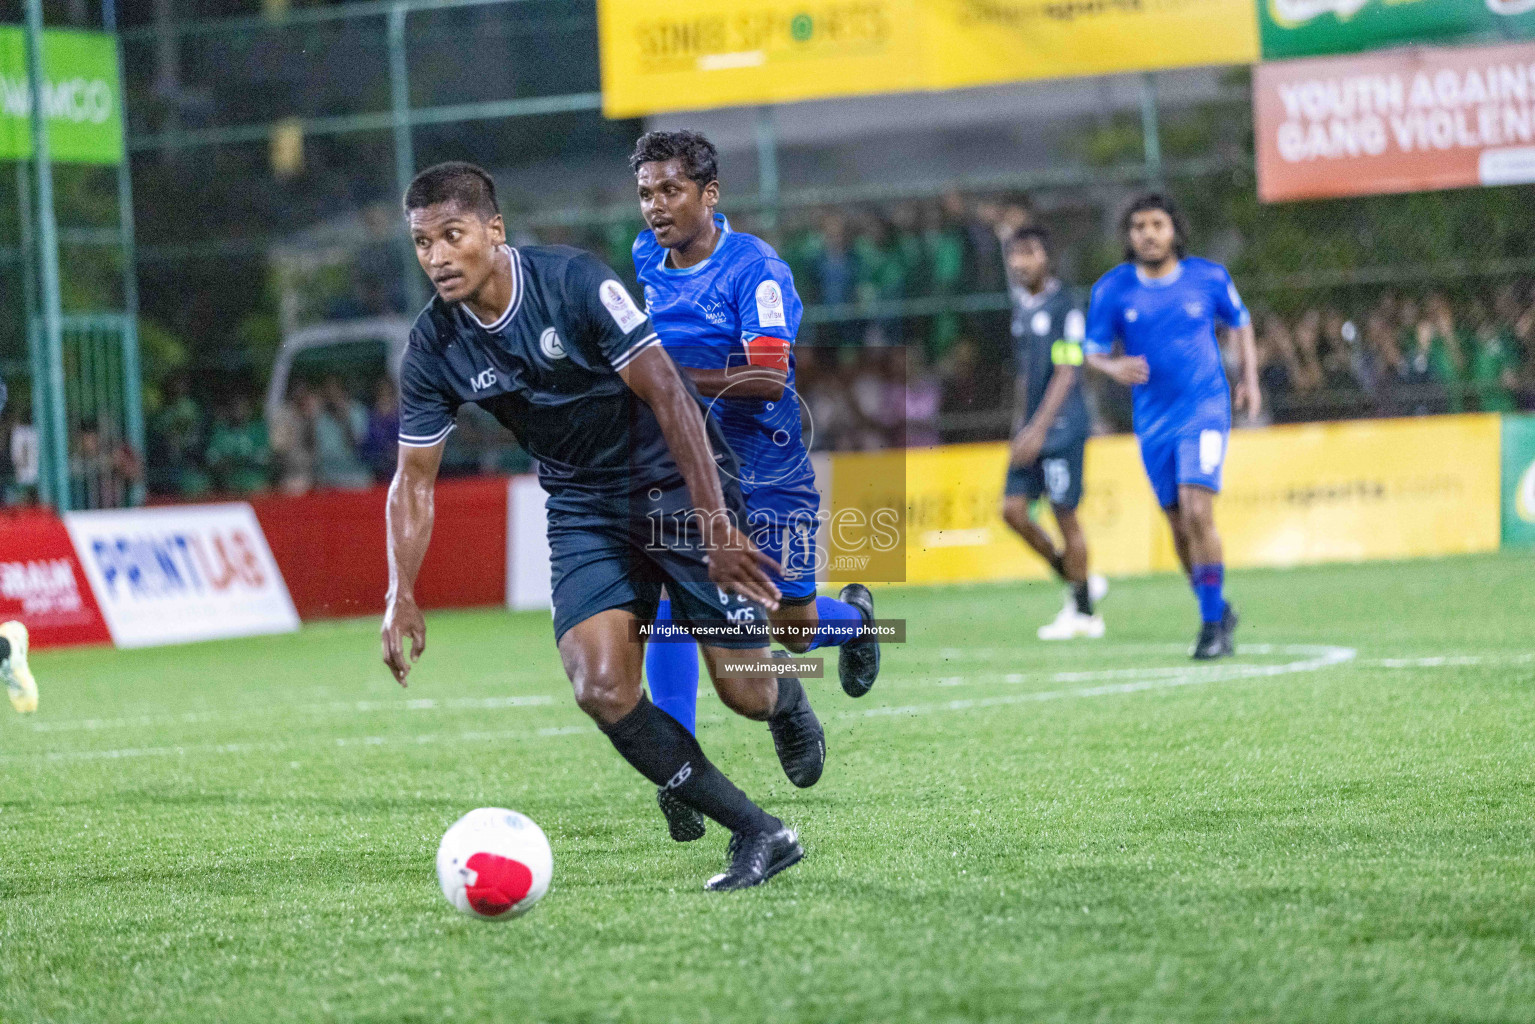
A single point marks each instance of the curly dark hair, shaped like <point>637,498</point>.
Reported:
<point>700,160</point>
<point>468,185</point>
<point>1165,203</point>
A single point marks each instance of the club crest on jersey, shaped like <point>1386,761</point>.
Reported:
<point>1131,315</point>
<point>619,306</point>
<point>1194,308</point>
<point>770,311</point>
<point>550,345</point>
<point>1041,322</point>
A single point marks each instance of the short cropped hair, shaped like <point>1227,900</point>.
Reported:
<point>1034,232</point>
<point>700,160</point>
<point>467,185</point>
<point>1165,203</point>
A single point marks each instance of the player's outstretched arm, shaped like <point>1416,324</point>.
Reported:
<point>735,564</point>
<point>1127,370</point>
<point>409,518</point>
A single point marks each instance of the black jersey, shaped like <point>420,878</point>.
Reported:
<point>547,369</point>
<point>1047,330</point>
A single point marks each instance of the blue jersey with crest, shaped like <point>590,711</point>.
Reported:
<point>706,314</point>
<point>1170,321</point>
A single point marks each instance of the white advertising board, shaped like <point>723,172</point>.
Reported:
<point>183,573</point>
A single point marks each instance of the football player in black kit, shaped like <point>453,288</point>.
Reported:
<point>641,493</point>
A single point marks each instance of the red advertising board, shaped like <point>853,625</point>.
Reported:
<point>1395,121</point>
<point>42,583</point>
<point>330,546</point>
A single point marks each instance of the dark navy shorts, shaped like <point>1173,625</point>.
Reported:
<point>1057,473</point>
<point>619,553</point>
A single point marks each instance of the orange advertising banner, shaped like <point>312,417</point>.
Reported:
<point>1406,120</point>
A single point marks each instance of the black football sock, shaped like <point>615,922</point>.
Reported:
<point>668,755</point>
<point>790,693</point>
<point>5,649</point>
<point>1058,563</point>
<point>1083,597</point>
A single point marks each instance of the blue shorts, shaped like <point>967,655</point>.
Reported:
<point>781,521</point>
<point>613,554</point>
<point>1193,456</point>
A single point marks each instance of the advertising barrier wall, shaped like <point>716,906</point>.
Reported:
<point>331,547</point>
<point>1519,480</point>
<point>1293,495</point>
<point>181,573</point>
<point>1395,121</point>
<point>43,585</point>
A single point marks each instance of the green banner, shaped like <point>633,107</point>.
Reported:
<point>81,97</point>
<point>1301,28</point>
<point>1518,480</point>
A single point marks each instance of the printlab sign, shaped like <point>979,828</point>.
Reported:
<point>81,99</point>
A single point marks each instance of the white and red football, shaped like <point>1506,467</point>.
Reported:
<point>494,864</point>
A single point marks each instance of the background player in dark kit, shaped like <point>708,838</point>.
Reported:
<point>550,343</point>
<point>1050,433</point>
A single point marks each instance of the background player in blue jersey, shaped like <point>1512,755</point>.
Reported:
<point>726,309</point>
<point>1050,432</point>
<point>1163,308</point>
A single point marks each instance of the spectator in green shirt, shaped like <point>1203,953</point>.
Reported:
<point>1493,371</point>
<point>238,453</point>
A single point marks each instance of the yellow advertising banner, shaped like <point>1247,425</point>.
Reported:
<point>985,42</point>
<point>1346,492</point>
<point>1293,495</point>
<point>693,54</point>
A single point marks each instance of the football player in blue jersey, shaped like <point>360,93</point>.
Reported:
<point>1163,308</point>
<point>727,312</point>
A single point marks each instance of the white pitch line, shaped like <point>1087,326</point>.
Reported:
<point>331,707</point>
<point>1449,661</point>
<point>1320,657</point>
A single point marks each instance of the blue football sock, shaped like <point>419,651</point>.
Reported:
<point>1208,581</point>
<point>671,668</point>
<point>839,623</point>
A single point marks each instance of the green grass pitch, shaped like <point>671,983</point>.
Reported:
<point>1336,826</point>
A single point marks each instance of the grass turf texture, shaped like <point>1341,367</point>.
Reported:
<point>245,830</point>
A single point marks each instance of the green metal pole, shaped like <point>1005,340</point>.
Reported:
<point>33,328</point>
<point>1151,131</point>
<point>404,147</point>
<point>133,375</point>
<point>56,446</point>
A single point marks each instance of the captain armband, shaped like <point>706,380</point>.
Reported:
<point>772,353</point>
<point>1066,353</point>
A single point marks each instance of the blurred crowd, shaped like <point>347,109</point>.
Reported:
<point>324,435</point>
<point>1402,355</point>
<point>886,357</point>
